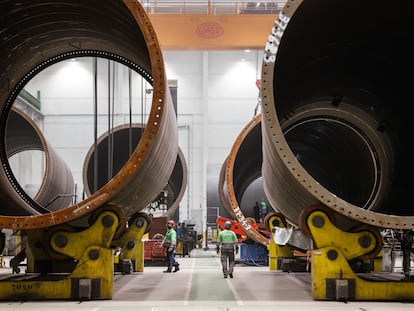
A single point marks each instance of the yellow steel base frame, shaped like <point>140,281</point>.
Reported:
<point>332,276</point>
<point>131,244</point>
<point>276,251</point>
<point>92,277</point>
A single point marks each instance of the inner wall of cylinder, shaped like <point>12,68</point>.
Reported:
<point>110,159</point>
<point>329,150</point>
<point>361,63</point>
<point>247,165</point>
<point>247,180</point>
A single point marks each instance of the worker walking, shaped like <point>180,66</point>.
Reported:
<point>170,243</point>
<point>227,246</point>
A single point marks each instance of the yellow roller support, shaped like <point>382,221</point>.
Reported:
<point>131,243</point>
<point>276,251</point>
<point>351,245</point>
<point>90,253</point>
<point>332,275</point>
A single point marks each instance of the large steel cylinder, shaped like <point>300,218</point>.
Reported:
<point>37,34</point>
<point>57,187</point>
<point>113,150</point>
<point>335,87</point>
<point>241,168</point>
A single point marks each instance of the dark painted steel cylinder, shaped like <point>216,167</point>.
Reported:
<point>335,87</point>
<point>37,34</point>
<point>114,149</point>
<point>56,189</point>
<point>241,168</point>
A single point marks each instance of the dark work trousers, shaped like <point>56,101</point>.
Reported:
<point>406,245</point>
<point>171,257</point>
<point>406,262</point>
<point>227,261</point>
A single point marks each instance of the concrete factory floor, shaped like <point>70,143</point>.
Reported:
<point>199,285</point>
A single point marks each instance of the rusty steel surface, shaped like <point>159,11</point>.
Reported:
<point>114,149</point>
<point>334,127</point>
<point>34,38</point>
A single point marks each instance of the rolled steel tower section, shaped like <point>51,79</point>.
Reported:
<point>113,150</point>
<point>334,125</point>
<point>242,167</point>
<point>37,34</point>
<point>223,194</point>
<point>177,184</point>
<point>57,188</point>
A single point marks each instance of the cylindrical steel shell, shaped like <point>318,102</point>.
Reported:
<point>334,126</point>
<point>56,189</point>
<point>36,34</point>
<point>242,167</point>
<point>114,149</point>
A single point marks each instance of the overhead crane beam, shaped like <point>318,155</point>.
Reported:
<point>212,32</point>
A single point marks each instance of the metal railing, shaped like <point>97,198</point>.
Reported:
<point>212,7</point>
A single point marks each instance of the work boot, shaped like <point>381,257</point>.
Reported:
<point>168,269</point>
<point>176,267</point>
